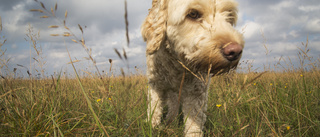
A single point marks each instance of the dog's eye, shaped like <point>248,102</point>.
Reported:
<point>230,20</point>
<point>193,14</point>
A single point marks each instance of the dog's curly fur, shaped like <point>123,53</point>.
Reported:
<point>186,40</point>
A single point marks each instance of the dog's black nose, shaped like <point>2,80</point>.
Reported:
<point>232,51</point>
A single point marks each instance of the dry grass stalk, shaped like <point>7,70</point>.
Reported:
<point>181,85</point>
<point>54,35</point>
<point>0,24</point>
<point>56,7</point>
<point>124,54</point>
<point>126,22</point>
<point>225,45</point>
<point>39,58</point>
<point>69,32</point>
<point>80,28</point>
<point>65,15</point>
<point>53,26</point>
<point>42,5</point>
<point>118,53</point>
<point>37,10</point>
<point>110,61</point>
<point>246,84</point>
<point>44,16</point>
<point>75,41</point>
<point>190,71</point>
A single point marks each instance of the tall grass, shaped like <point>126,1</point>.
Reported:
<point>282,103</point>
<point>276,104</point>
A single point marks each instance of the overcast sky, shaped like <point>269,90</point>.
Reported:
<point>281,25</point>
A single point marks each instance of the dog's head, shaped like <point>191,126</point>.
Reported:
<point>200,32</point>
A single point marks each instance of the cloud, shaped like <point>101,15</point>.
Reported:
<point>279,25</point>
<point>309,8</point>
<point>10,4</point>
<point>14,46</point>
<point>313,26</point>
<point>251,30</point>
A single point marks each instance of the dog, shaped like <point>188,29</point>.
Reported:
<point>188,41</point>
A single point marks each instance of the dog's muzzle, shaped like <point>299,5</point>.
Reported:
<point>232,52</point>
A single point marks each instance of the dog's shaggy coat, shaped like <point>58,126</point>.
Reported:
<point>188,40</point>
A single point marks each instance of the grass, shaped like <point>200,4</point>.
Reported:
<point>285,103</point>
<point>277,104</point>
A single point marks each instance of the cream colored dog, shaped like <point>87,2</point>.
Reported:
<point>188,41</point>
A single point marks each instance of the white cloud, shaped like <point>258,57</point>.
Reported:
<point>315,45</point>
<point>251,29</point>
<point>313,25</point>
<point>114,43</point>
<point>58,55</point>
<point>283,47</point>
<point>285,24</point>
<point>294,33</point>
<point>309,8</point>
<point>14,46</point>
<point>282,5</point>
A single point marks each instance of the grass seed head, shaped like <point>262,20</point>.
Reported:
<point>118,53</point>
<point>36,10</point>
<point>44,16</point>
<point>56,6</point>
<point>66,14</point>
<point>80,28</point>
<point>53,26</point>
<point>54,35</point>
<point>42,5</point>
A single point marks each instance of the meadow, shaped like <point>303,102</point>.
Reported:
<point>268,103</point>
<point>275,104</point>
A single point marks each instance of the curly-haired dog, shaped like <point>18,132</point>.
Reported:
<point>187,42</point>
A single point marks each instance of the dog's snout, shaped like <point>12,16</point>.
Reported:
<point>232,52</point>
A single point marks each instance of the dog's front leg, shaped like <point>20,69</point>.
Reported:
<point>194,108</point>
<point>155,105</point>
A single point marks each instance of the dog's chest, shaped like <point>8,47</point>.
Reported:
<point>165,70</point>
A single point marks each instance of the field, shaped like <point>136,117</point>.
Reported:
<point>275,104</point>
<point>269,103</point>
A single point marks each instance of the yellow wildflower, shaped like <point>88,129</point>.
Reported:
<point>270,84</point>
<point>288,127</point>
<point>301,75</point>
<point>254,83</point>
<point>218,105</point>
<point>92,91</point>
<point>98,100</point>
<point>109,98</point>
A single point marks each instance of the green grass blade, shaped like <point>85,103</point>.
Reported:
<point>98,122</point>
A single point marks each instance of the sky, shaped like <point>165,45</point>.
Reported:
<point>273,30</point>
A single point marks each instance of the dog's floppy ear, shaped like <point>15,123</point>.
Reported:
<point>154,26</point>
